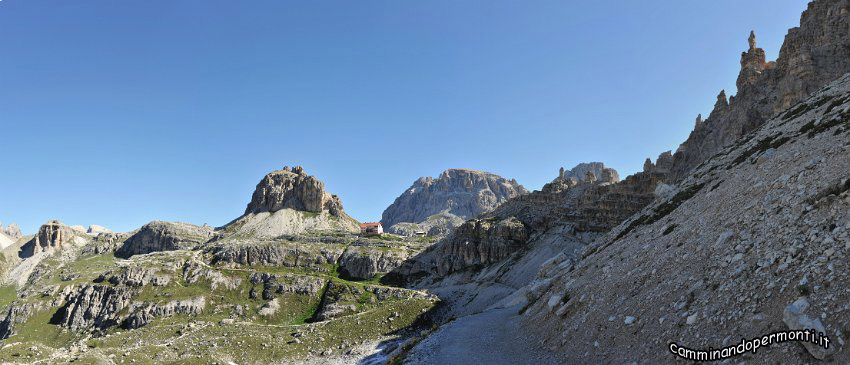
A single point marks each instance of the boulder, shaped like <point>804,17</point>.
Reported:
<point>796,318</point>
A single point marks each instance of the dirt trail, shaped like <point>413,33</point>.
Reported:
<point>491,337</point>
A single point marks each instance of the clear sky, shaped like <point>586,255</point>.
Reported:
<point>122,112</point>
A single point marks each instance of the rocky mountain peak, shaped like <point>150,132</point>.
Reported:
<point>752,40</point>
<point>13,231</point>
<point>464,193</point>
<point>752,64</point>
<point>812,55</point>
<point>52,235</point>
<point>589,172</point>
<point>292,188</point>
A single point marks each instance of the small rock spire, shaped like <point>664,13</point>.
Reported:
<point>647,165</point>
<point>721,100</point>
<point>752,40</point>
<point>561,173</point>
<point>699,121</point>
<point>752,65</point>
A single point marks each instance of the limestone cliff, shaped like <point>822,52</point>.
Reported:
<point>813,54</point>
<point>52,236</point>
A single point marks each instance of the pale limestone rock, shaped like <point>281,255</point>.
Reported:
<point>463,193</point>
<point>95,230</point>
<point>53,235</point>
<point>293,188</point>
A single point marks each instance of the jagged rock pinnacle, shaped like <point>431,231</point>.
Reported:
<point>699,121</point>
<point>721,103</point>
<point>752,40</point>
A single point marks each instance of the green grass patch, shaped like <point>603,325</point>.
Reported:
<point>308,214</point>
<point>38,329</point>
<point>662,210</point>
<point>386,237</point>
<point>8,293</point>
<point>811,130</point>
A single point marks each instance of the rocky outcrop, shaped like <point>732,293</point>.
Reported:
<point>164,236</point>
<point>363,262</point>
<point>587,205</point>
<point>194,272</point>
<point>15,314</point>
<point>340,299</point>
<point>105,242</point>
<point>584,172</point>
<point>52,235</point>
<point>134,276</point>
<point>292,188</point>
<point>273,284</point>
<point>475,243</point>
<point>813,54</point>
<point>479,242</point>
<point>93,306</point>
<point>289,202</point>
<point>143,313</point>
<point>280,253</point>
<point>462,193</point>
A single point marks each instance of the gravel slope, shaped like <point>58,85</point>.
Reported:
<point>491,337</point>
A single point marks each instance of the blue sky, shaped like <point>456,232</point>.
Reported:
<point>121,112</point>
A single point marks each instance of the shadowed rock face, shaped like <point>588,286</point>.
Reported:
<point>52,235</point>
<point>460,192</point>
<point>164,236</point>
<point>813,54</point>
<point>292,188</point>
<point>740,239</point>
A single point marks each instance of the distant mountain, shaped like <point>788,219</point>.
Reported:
<point>12,231</point>
<point>440,204</point>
